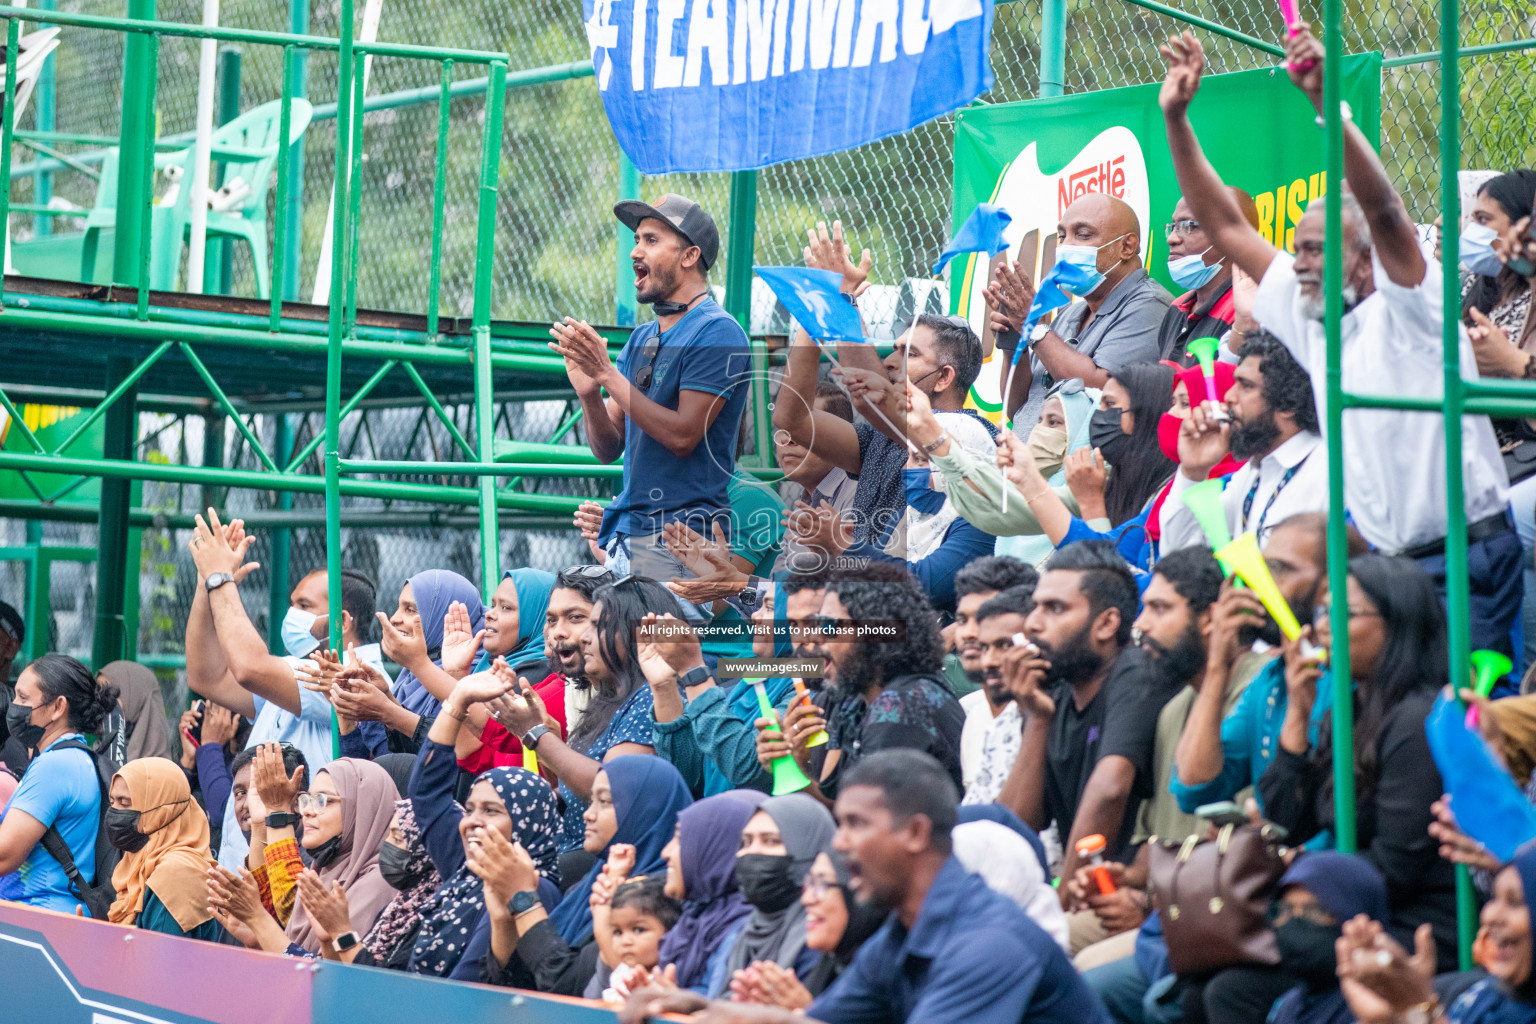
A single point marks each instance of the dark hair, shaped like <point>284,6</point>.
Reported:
<point>1013,601</point>
<point>624,604</point>
<point>1515,192</point>
<point>834,399</point>
<point>584,583</point>
<point>1287,388</point>
<point>293,758</point>
<point>1104,578</point>
<point>911,782</point>
<point>647,894</point>
<point>955,345</point>
<point>795,582</point>
<point>1415,658</point>
<point>59,675</point>
<point>994,572</point>
<point>923,649</point>
<point>1194,574</point>
<point>359,599</point>
<point>1144,468</point>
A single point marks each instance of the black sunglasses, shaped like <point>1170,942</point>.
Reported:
<point>647,372</point>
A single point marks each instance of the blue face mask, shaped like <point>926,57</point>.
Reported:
<point>1087,257</point>
<point>1191,272</point>
<point>920,493</point>
<point>1475,247</point>
<point>297,638</point>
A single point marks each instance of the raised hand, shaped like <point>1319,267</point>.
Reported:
<point>1496,356</point>
<point>1008,295</point>
<point>219,723</point>
<point>1236,608</point>
<point>276,788</point>
<point>480,687</point>
<point>235,894</point>
<point>188,747</point>
<point>830,252</point>
<point>1380,981</point>
<point>1018,466</point>
<point>585,352</point>
<point>668,647</point>
<point>1086,479</point>
<point>1186,63</point>
<point>408,650</point>
<point>519,709</point>
<point>1023,673</point>
<point>212,550</point>
<point>327,908</point>
<point>621,860</point>
<point>502,865</point>
<point>1204,440</point>
<point>1304,61</point>
<point>323,675</point>
<point>460,642</point>
<point>822,528</point>
<point>589,520</point>
<point>1455,845</point>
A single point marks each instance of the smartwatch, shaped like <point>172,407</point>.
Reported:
<point>216,580</point>
<point>524,901</point>
<point>532,736</point>
<point>693,677</point>
<point>345,941</point>
<point>284,820</point>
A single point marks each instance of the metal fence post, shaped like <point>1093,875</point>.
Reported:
<point>229,109</point>
<point>485,253</point>
<point>135,148</point>
<point>298,24</point>
<point>110,641</point>
<point>1053,47</point>
<point>277,589</point>
<point>42,181</point>
<point>625,309</point>
<point>740,253</point>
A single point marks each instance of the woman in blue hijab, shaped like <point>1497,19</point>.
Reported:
<point>424,601</point>
<point>1378,978</point>
<point>1318,894</point>
<point>636,799</point>
<point>514,620</point>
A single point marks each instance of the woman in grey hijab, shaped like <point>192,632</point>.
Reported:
<point>778,845</point>
<point>145,732</point>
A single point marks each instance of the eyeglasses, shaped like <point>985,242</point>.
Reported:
<point>316,802</point>
<point>1282,911</point>
<point>817,888</point>
<point>633,577</point>
<point>1181,227</point>
<point>647,371</point>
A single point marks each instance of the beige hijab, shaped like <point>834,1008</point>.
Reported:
<point>368,798</point>
<point>143,707</point>
<point>175,861</point>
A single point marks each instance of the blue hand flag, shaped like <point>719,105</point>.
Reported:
<point>1049,296</point>
<point>1488,805</point>
<point>981,232</point>
<point>813,299</point>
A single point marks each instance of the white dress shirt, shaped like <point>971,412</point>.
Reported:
<point>978,718</point>
<point>1394,461</point>
<point>1278,493</point>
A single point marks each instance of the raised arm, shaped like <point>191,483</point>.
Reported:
<point>831,437</point>
<point>1207,195</point>
<point>1393,235</point>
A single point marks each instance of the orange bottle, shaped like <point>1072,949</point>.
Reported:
<point>1091,849</point>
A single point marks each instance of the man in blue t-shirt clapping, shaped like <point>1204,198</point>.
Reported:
<point>675,398</point>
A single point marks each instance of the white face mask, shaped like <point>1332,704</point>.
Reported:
<point>297,632</point>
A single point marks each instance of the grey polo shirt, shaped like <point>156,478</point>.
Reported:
<point>1124,331</point>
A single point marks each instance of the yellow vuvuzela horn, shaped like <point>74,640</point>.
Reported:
<point>1242,557</point>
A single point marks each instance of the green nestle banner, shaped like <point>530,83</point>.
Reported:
<point>1034,158</point>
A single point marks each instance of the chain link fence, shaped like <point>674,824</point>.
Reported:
<point>559,174</point>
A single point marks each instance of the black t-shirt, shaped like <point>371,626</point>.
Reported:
<point>1121,720</point>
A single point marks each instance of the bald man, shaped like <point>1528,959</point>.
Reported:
<point>1204,273</point>
<point>1114,325</point>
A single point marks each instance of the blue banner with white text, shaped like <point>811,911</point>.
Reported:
<point>727,85</point>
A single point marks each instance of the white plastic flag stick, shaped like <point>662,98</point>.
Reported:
<point>370,32</point>
<point>832,357</point>
<point>202,151</point>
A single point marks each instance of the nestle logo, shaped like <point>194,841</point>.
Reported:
<point>1107,178</point>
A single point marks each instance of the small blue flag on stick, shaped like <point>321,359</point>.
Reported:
<point>981,232</point>
<point>1488,805</point>
<point>1050,296</point>
<point>813,299</point>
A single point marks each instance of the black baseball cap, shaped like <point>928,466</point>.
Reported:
<point>686,217</point>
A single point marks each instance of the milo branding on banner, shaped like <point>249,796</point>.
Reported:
<point>1037,157</point>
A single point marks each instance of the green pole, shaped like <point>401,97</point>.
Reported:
<point>1053,47</point>
<point>485,249</point>
<point>738,298</point>
<point>135,148</point>
<point>625,309</point>
<point>229,109</point>
<point>42,187</point>
<point>277,590</point>
<point>1457,594</point>
<point>298,24</point>
<point>109,641</point>
<point>1338,558</point>
<point>339,287</point>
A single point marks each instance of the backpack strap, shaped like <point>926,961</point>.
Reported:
<point>53,839</point>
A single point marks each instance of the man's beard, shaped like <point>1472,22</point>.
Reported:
<point>856,675</point>
<point>1255,437</point>
<point>997,691</point>
<point>1076,662</point>
<point>1316,307</point>
<point>1182,662</point>
<point>657,286</point>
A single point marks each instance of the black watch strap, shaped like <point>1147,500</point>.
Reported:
<point>524,901</point>
<point>532,736</point>
<point>693,677</point>
<point>283,820</point>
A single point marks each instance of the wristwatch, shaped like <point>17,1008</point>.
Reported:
<point>345,941</point>
<point>217,579</point>
<point>748,596</point>
<point>1038,333</point>
<point>283,820</point>
<point>524,901</point>
<point>933,446</point>
<point>532,736</point>
<point>693,677</point>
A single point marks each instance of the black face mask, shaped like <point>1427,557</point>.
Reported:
<point>1105,434</point>
<point>18,719</point>
<point>398,867</point>
<point>123,830</point>
<point>765,881</point>
<point>1307,952</point>
<point>326,852</point>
